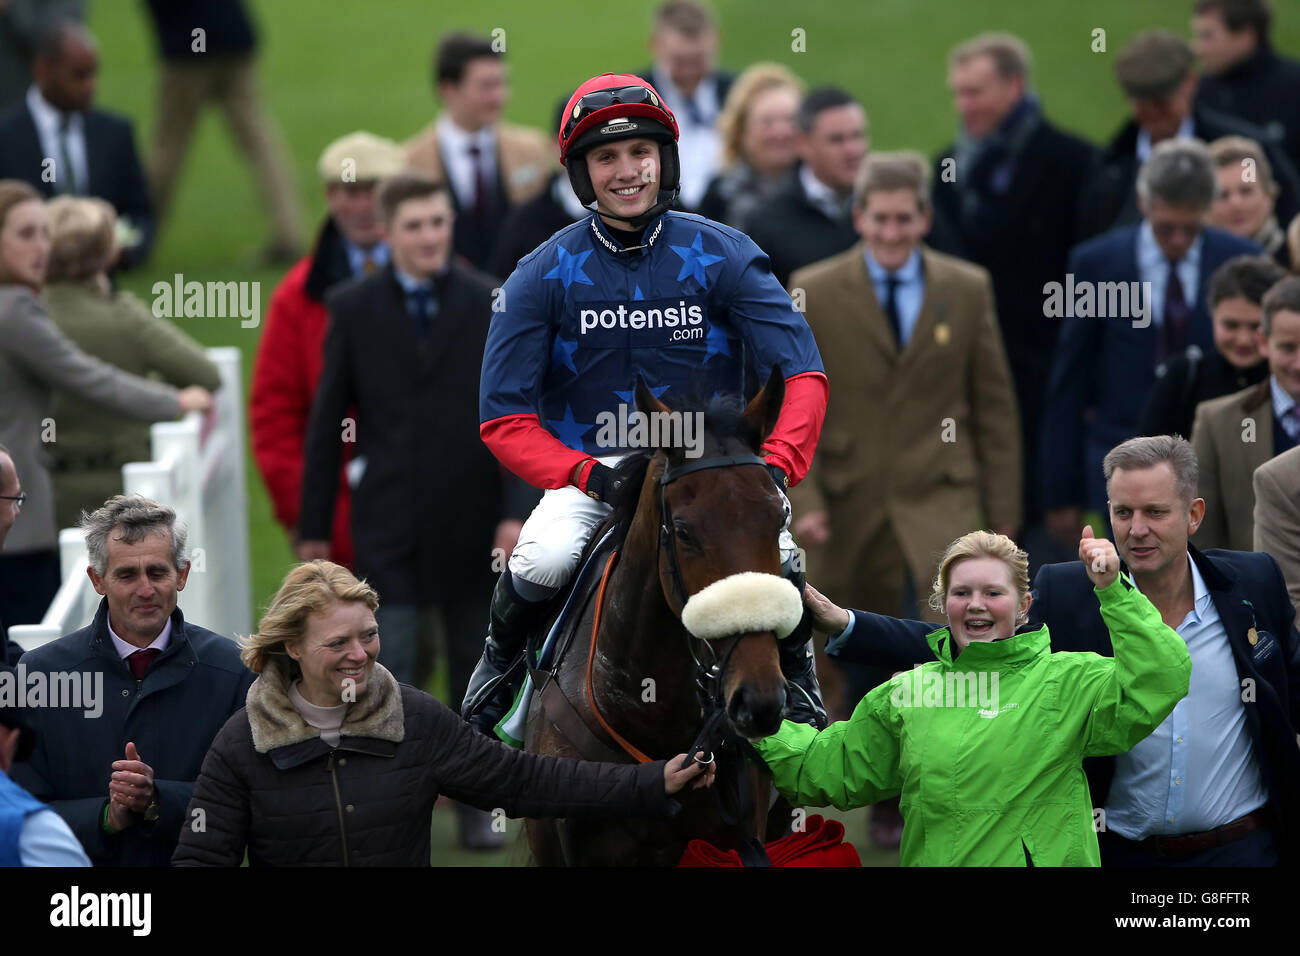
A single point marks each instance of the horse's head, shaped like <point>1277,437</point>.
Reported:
<point>720,516</point>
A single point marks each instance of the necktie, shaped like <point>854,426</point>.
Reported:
<point>367,264</point>
<point>1174,339</point>
<point>891,309</point>
<point>694,113</point>
<point>480,182</point>
<point>141,660</point>
<point>66,175</point>
<point>1292,421</point>
<point>423,308</point>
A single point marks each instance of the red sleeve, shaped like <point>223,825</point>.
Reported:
<point>794,439</point>
<point>530,451</point>
<point>278,405</point>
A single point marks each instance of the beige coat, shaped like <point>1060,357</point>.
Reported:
<point>524,156</point>
<point>928,440</point>
<point>1232,435</point>
<point>1277,516</point>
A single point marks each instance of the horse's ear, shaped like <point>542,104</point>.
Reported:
<point>761,413</point>
<point>646,403</point>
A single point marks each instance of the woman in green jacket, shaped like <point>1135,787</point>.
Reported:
<point>986,744</point>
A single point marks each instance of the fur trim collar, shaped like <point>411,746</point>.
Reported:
<point>275,722</point>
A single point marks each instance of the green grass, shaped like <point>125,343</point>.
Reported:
<point>329,69</point>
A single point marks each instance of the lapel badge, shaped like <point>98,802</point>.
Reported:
<point>1253,636</point>
<point>942,333</point>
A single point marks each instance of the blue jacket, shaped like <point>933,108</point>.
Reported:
<point>1104,369</point>
<point>697,313</point>
<point>1248,591</point>
<point>172,716</point>
<point>16,805</point>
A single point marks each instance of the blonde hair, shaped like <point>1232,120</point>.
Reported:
<point>885,172</point>
<point>981,544</point>
<point>81,237</point>
<point>1234,150</point>
<point>753,82</point>
<point>307,589</point>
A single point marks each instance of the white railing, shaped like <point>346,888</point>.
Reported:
<point>197,469</point>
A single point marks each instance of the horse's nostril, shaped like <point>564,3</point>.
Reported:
<point>756,715</point>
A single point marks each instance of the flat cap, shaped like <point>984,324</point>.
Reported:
<point>1152,64</point>
<point>360,157</point>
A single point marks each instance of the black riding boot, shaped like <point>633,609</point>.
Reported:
<point>799,665</point>
<point>491,687</point>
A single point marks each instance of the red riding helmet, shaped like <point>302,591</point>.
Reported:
<point>616,106</point>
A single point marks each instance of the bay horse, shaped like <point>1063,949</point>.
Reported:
<point>687,525</point>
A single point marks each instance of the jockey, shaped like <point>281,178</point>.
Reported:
<point>689,304</point>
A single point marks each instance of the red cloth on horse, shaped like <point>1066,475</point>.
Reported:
<point>820,844</point>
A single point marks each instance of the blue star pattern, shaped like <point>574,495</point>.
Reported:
<point>630,394</point>
<point>562,354</point>
<point>569,268</point>
<point>567,430</point>
<point>695,261</point>
<point>716,343</point>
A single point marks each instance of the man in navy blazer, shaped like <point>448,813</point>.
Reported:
<point>1224,765</point>
<point>1124,309</point>
<point>58,143</point>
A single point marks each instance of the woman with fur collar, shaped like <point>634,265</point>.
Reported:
<point>332,762</point>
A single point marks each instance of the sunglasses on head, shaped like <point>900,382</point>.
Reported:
<point>622,96</point>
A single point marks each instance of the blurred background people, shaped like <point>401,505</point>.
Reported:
<point>488,165</point>
<point>22,24</point>
<point>1237,433</point>
<point>1005,195</point>
<point>810,218</point>
<point>1105,365</point>
<point>36,359</point>
<point>208,50</point>
<point>290,352</point>
<point>757,128</point>
<point>1193,376</point>
<point>1247,195</point>
<point>1277,516</point>
<point>1155,71</point>
<point>59,143</point>
<point>684,44</point>
<point>93,442</point>
<point>11,504</point>
<point>1241,73</point>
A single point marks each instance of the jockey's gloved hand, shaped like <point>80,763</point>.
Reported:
<point>779,476</point>
<point>602,482</point>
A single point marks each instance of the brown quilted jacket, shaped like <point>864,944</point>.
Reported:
<point>270,785</point>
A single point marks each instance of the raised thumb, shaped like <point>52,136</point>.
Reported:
<point>1087,531</point>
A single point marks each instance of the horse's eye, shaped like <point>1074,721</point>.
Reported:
<point>684,534</point>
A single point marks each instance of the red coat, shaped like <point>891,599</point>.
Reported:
<point>290,357</point>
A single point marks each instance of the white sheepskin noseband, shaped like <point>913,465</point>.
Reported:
<point>744,602</point>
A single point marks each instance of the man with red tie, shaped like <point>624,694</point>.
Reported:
<point>152,690</point>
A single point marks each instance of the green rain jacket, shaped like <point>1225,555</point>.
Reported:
<point>987,752</point>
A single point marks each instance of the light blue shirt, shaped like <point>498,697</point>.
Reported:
<point>1197,770</point>
<point>1282,405</point>
<point>378,254</point>
<point>47,840</point>
<point>1153,267</point>
<point>1186,131</point>
<point>909,294</point>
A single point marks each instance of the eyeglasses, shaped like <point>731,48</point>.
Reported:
<point>623,96</point>
<point>20,498</point>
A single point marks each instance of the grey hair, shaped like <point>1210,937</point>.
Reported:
<point>1179,172</point>
<point>134,517</point>
<point>1149,451</point>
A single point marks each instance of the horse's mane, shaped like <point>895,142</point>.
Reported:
<point>724,419</point>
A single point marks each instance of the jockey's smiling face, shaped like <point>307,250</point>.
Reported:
<point>336,653</point>
<point>625,176</point>
<point>419,237</point>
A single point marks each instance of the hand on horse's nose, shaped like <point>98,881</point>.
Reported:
<point>756,715</point>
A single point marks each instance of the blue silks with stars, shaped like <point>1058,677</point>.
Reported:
<point>696,312</point>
